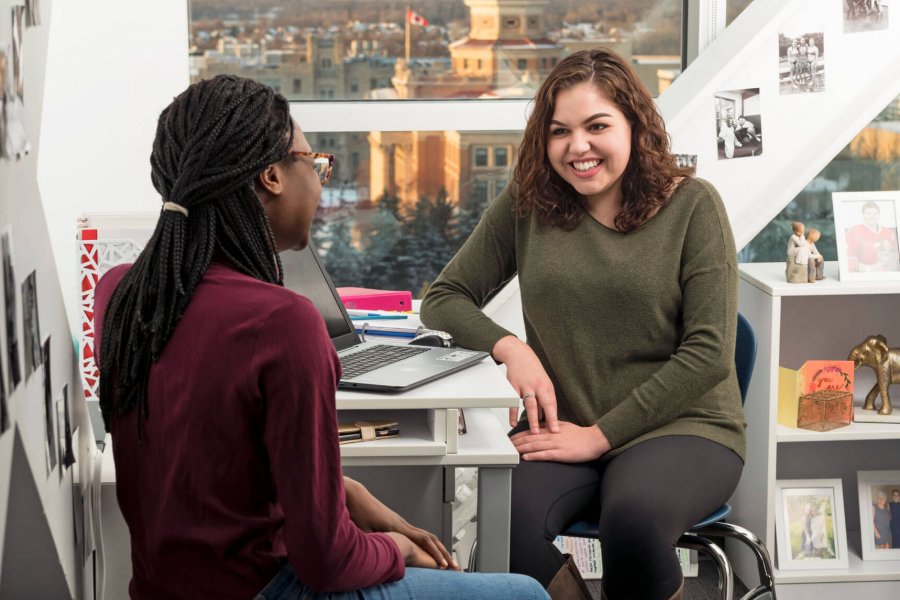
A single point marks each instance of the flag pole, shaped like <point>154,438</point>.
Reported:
<point>406,19</point>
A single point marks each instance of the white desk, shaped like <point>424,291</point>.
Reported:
<point>485,445</point>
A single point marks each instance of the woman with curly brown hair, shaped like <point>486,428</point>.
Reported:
<point>628,278</point>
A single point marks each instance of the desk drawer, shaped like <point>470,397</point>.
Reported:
<point>423,432</point>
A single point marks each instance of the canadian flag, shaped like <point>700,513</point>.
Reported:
<point>414,18</point>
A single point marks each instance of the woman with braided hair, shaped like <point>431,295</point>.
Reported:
<point>218,384</point>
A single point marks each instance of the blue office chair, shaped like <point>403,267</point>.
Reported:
<point>697,538</point>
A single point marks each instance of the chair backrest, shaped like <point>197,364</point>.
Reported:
<point>744,354</point>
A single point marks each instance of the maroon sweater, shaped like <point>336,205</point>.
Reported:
<point>240,466</point>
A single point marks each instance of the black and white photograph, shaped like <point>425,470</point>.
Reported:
<point>52,451</point>
<point>4,410</point>
<point>865,15</point>
<point>801,59</point>
<point>31,329</point>
<point>67,451</point>
<point>18,76</point>
<point>738,123</point>
<point>14,138</point>
<point>4,68</point>
<point>879,514</point>
<point>9,293</point>
<point>32,13</point>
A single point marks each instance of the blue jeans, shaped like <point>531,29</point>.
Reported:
<point>430,584</point>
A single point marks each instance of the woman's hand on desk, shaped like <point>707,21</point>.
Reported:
<point>370,514</point>
<point>573,444</point>
<point>527,375</point>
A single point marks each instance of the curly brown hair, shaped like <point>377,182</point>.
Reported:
<point>651,174</point>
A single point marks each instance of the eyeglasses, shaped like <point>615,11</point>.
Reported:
<point>323,163</point>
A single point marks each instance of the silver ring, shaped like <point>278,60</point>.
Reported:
<point>528,395</point>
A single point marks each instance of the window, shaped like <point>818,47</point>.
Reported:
<point>298,85</point>
<point>500,157</point>
<point>354,85</point>
<point>871,162</point>
<point>734,8</point>
<point>368,41</point>
<point>481,157</point>
<point>411,196</point>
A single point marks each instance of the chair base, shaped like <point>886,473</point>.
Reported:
<point>748,538</point>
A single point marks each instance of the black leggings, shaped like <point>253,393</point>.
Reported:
<point>644,498</point>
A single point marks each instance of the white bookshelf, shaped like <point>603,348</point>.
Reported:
<point>859,570</point>
<point>795,323</point>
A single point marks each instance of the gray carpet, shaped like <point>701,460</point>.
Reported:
<point>703,587</point>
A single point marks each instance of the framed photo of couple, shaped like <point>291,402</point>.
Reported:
<point>865,228</point>
<point>810,531</point>
<point>879,514</point>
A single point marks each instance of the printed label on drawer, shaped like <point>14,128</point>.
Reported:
<point>458,355</point>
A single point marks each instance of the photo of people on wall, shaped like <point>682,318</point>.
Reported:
<point>865,15</point>
<point>801,65</point>
<point>738,123</point>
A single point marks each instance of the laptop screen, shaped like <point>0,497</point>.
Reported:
<point>305,274</point>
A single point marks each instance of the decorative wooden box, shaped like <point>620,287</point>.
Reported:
<point>823,410</point>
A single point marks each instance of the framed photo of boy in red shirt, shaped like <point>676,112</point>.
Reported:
<point>865,225</point>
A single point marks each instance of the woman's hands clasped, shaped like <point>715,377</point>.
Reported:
<point>420,548</point>
<point>571,444</point>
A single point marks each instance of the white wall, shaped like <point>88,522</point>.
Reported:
<point>112,67</point>
<point>801,132</point>
<point>37,541</point>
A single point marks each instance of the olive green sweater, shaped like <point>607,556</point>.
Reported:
<point>636,331</point>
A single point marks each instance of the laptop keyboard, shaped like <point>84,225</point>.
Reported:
<point>375,357</point>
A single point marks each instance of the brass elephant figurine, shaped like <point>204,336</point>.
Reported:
<point>874,352</point>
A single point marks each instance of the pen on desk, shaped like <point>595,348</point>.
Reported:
<point>375,317</point>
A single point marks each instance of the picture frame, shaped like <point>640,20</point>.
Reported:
<point>871,486</point>
<point>865,229</point>
<point>810,530</point>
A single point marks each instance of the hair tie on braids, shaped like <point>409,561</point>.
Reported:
<point>175,208</point>
<point>211,143</point>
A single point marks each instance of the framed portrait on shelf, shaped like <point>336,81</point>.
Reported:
<point>865,228</point>
<point>810,531</point>
<point>879,514</point>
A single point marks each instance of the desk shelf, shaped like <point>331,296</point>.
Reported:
<point>422,432</point>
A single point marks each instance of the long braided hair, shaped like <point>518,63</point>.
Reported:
<point>211,143</point>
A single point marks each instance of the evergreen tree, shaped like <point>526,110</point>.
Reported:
<point>342,261</point>
<point>470,213</point>
<point>381,249</point>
